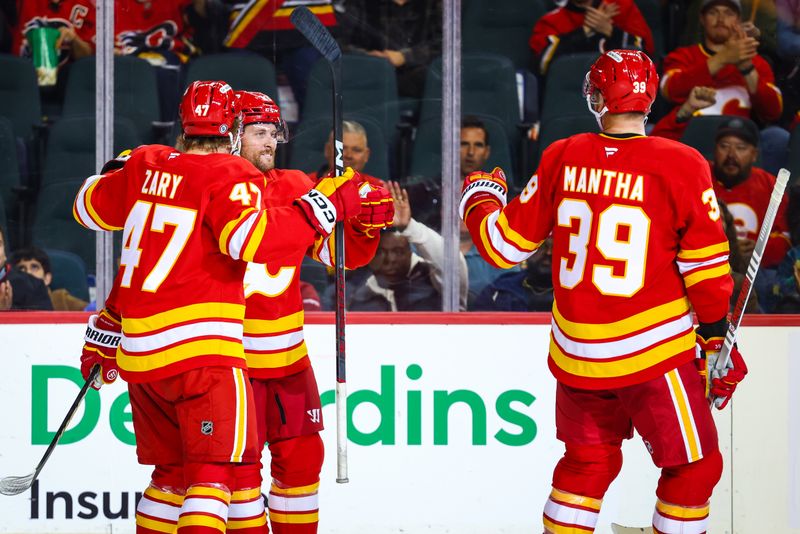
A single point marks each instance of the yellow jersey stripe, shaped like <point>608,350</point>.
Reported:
<point>87,203</point>
<point>513,236</point>
<point>625,366</point>
<point>294,519</point>
<point>205,311</point>
<point>276,360</point>
<point>154,524</point>
<point>682,512</point>
<point>579,500</point>
<point>623,327</point>
<point>241,416</point>
<point>179,353</point>
<point>317,10</point>
<point>487,245</point>
<point>683,415</point>
<point>247,19</point>
<point>225,235</point>
<point>274,326</point>
<point>705,252</point>
<point>256,237</point>
<point>705,274</point>
<point>298,490</point>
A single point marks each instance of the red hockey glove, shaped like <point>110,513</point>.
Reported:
<point>377,209</point>
<point>332,199</point>
<point>720,382</point>
<point>103,334</point>
<point>480,187</point>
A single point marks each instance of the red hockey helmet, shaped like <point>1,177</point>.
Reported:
<point>208,109</point>
<point>260,108</point>
<point>627,79</point>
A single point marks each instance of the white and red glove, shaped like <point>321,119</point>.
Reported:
<point>377,209</point>
<point>103,334</point>
<point>480,187</point>
<point>332,199</point>
<point>720,381</point>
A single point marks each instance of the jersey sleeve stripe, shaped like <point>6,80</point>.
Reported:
<point>497,260</point>
<point>705,252</point>
<point>549,51</point>
<point>687,266</point>
<point>273,343</point>
<point>83,211</point>
<point>180,334</point>
<point>504,251</point>
<point>239,236</point>
<point>205,347</point>
<point>621,367</point>
<point>227,232</point>
<point>204,311</point>
<point>256,236</point>
<point>268,326</point>
<point>618,348</point>
<point>514,236</point>
<point>276,360</point>
<point>623,327</point>
<point>706,274</point>
<point>323,249</point>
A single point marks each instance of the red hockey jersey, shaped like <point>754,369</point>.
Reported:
<point>748,203</point>
<point>637,243</point>
<point>190,224</point>
<point>687,67</point>
<point>273,326</point>
<point>152,30</point>
<point>79,14</point>
<point>273,15</point>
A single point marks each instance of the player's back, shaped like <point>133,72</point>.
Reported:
<point>632,218</point>
<point>180,297</point>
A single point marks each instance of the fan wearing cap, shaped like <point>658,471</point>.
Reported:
<point>172,326</point>
<point>726,61</point>
<point>746,189</point>
<point>637,246</point>
<point>284,386</point>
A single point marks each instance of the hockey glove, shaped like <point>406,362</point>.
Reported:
<point>377,209</point>
<point>480,187</point>
<point>116,163</point>
<point>720,382</point>
<point>332,199</point>
<point>103,334</point>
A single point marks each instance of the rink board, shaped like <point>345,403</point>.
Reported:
<point>452,431</point>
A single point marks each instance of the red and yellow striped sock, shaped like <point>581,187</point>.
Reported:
<point>247,514</point>
<point>157,512</point>
<point>293,510</point>
<point>676,519</point>
<point>567,513</point>
<point>204,510</point>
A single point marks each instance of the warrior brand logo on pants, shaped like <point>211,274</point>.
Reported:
<point>314,415</point>
<point>207,428</point>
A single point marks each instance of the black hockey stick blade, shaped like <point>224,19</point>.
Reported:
<point>14,485</point>
<point>313,30</point>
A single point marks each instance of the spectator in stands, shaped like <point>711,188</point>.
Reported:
<point>407,33</point>
<point>789,52</point>
<point>785,294</point>
<point>35,262</point>
<point>311,301</point>
<point>588,26</point>
<point>400,281</point>
<point>528,290</point>
<point>736,261</point>
<point>74,19</point>
<point>426,242</point>
<point>355,152</point>
<point>19,290</point>
<point>265,28</point>
<point>746,190</point>
<point>727,60</point>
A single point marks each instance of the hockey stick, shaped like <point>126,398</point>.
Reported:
<point>321,39</point>
<point>16,485</point>
<point>752,269</point>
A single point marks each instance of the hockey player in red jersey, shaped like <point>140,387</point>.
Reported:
<point>287,403</point>
<point>190,223</point>
<point>637,244</point>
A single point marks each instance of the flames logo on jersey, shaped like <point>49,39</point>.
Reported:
<point>160,38</point>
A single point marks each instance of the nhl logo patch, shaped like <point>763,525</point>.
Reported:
<point>223,128</point>
<point>206,428</point>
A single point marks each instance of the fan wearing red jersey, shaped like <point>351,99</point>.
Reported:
<point>637,244</point>
<point>287,403</point>
<point>190,223</point>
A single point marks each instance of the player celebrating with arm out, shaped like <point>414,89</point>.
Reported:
<point>637,244</point>
<point>188,230</point>
<point>287,403</point>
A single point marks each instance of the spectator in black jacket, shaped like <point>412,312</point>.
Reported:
<point>18,290</point>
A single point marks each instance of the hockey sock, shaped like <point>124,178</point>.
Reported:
<point>157,512</point>
<point>674,519</point>
<point>204,510</point>
<point>293,510</point>
<point>247,514</point>
<point>567,513</point>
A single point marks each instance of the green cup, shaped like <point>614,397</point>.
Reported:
<point>45,56</point>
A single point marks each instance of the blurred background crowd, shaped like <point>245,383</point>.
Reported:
<point>730,87</point>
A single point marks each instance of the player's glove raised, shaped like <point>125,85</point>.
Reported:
<point>720,382</point>
<point>332,199</point>
<point>103,334</point>
<point>377,209</point>
<point>480,187</point>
